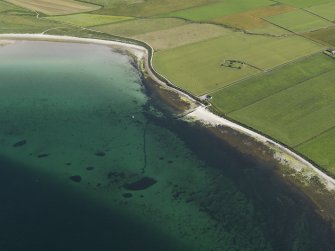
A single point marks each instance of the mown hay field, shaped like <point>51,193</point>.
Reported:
<point>324,35</point>
<point>321,150</point>
<point>253,18</point>
<point>295,114</point>
<point>181,35</point>
<point>145,8</point>
<point>235,97</point>
<point>299,21</point>
<point>224,8</point>
<point>87,20</point>
<point>325,10</point>
<point>140,26</point>
<point>55,7</point>
<point>196,67</point>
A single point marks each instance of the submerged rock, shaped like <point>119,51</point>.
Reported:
<point>42,155</point>
<point>100,153</point>
<point>127,195</point>
<point>20,143</point>
<point>141,184</point>
<point>75,178</point>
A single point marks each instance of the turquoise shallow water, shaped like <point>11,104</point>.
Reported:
<point>88,161</point>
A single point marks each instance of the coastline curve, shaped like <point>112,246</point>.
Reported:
<point>283,154</point>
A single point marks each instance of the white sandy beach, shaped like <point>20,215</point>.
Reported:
<point>202,114</point>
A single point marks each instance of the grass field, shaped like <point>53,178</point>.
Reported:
<point>23,24</point>
<point>5,7</point>
<point>299,21</point>
<point>245,93</point>
<point>55,7</point>
<point>140,26</point>
<point>324,35</point>
<point>181,35</point>
<point>325,10</point>
<point>304,3</point>
<point>88,19</point>
<point>295,114</point>
<point>196,67</point>
<point>220,9</point>
<point>270,29</point>
<point>321,150</point>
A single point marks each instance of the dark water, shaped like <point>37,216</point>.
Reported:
<point>89,162</point>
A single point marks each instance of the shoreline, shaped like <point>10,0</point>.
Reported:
<point>282,154</point>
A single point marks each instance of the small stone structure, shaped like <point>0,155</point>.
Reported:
<point>231,63</point>
<point>330,52</point>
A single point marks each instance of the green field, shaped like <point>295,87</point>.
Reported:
<point>325,10</point>
<point>5,7</point>
<point>24,24</point>
<point>304,3</point>
<point>220,9</point>
<point>237,96</point>
<point>270,29</point>
<point>140,26</point>
<point>196,67</point>
<point>295,114</point>
<point>88,19</point>
<point>321,150</point>
<point>299,21</point>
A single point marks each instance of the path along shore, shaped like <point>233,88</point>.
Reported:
<point>201,113</point>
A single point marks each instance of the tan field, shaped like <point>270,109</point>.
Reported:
<point>181,35</point>
<point>55,7</point>
<point>253,19</point>
<point>140,26</point>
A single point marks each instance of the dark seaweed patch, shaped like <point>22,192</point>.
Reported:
<point>75,178</point>
<point>90,168</point>
<point>20,143</point>
<point>115,177</point>
<point>170,161</point>
<point>42,155</point>
<point>68,164</point>
<point>100,153</point>
<point>127,195</point>
<point>141,184</point>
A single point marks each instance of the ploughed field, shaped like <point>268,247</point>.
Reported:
<point>282,85</point>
